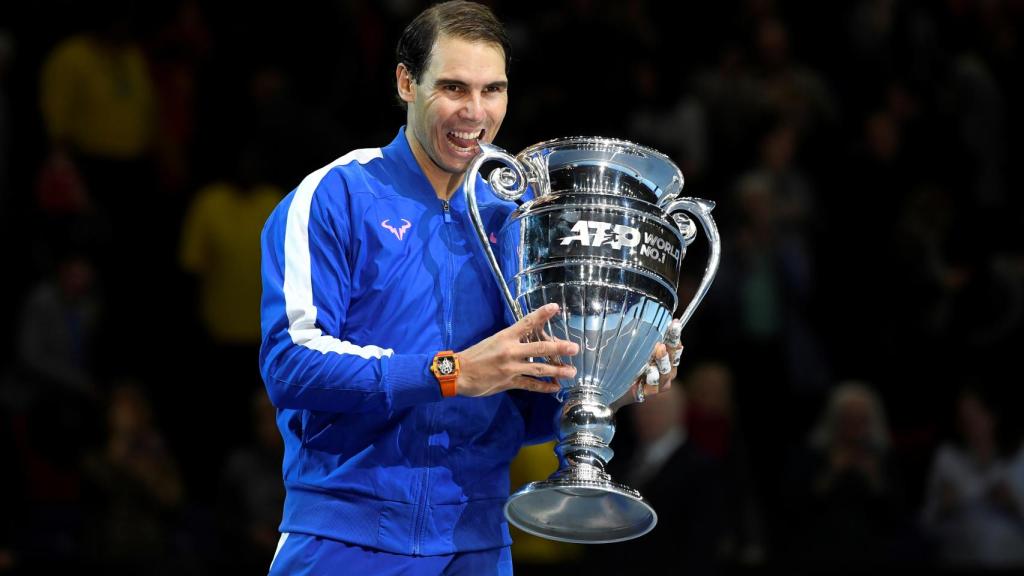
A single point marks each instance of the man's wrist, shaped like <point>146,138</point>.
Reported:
<point>446,368</point>
<point>407,380</point>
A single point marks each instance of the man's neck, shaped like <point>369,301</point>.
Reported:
<point>444,183</point>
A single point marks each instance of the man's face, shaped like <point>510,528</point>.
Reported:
<point>460,100</point>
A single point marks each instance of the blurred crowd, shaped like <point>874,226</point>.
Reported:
<point>847,399</point>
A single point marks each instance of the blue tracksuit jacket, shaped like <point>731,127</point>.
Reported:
<point>366,275</point>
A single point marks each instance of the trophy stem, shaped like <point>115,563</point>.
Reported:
<point>580,502</point>
<point>585,427</point>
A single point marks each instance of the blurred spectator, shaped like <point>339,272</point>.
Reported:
<point>98,104</point>
<point>255,107</point>
<point>728,94</point>
<point>252,494</point>
<point>97,96</point>
<point>768,276</point>
<point>54,392</point>
<point>681,483</point>
<point>794,196</point>
<point>769,282</point>
<point>177,52</point>
<point>845,509</point>
<point>762,298</point>
<point>787,88</point>
<point>775,239</point>
<point>931,275</point>
<point>99,109</point>
<point>58,327</point>
<point>859,252</point>
<point>60,189</point>
<point>51,394</point>
<point>675,124</point>
<point>978,108</point>
<point>1002,310</point>
<point>711,425</point>
<point>974,506</point>
<point>220,248</point>
<point>137,489</point>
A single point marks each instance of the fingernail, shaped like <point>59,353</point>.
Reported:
<point>574,348</point>
<point>675,357</point>
<point>664,364</point>
<point>552,307</point>
<point>675,331</point>
<point>653,377</point>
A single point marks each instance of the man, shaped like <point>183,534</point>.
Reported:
<point>397,448</point>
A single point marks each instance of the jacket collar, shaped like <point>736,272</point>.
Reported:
<point>399,147</point>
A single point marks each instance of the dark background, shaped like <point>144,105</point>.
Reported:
<point>861,155</point>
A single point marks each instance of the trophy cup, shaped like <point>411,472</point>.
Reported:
<point>603,236</point>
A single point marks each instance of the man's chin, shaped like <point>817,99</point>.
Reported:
<point>454,166</point>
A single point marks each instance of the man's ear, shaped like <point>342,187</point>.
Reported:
<point>406,85</point>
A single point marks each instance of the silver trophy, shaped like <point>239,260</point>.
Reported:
<point>603,236</point>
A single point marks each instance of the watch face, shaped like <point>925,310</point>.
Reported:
<point>446,366</point>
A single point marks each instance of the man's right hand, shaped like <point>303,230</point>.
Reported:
<point>501,362</point>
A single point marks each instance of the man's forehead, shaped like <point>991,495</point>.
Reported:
<point>451,55</point>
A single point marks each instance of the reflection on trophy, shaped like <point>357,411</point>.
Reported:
<point>603,236</point>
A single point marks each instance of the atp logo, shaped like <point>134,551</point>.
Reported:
<point>398,232</point>
<point>590,233</point>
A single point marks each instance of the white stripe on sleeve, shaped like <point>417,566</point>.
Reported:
<point>298,284</point>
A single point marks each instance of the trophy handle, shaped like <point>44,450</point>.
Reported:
<point>508,183</point>
<point>701,210</point>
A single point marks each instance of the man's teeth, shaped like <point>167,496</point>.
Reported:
<point>468,135</point>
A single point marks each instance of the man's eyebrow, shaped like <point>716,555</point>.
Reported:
<point>454,82</point>
<point>449,82</point>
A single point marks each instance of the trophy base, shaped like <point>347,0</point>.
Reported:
<point>581,511</point>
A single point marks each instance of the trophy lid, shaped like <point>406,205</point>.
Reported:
<point>654,170</point>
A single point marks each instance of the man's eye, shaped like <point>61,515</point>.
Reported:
<point>453,88</point>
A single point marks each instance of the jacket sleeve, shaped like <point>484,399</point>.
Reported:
<point>539,412</point>
<point>306,286</point>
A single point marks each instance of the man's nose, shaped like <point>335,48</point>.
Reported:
<point>474,108</point>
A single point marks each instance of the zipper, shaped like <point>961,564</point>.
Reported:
<point>447,208</point>
<point>450,300</point>
<point>419,522</point>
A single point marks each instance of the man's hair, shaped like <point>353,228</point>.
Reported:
<point>457,19</point>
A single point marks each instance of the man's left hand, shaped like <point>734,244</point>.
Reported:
<point>660,372</point>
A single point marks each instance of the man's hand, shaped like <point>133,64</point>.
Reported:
<point>501,362</point>
<point>660,372</point>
